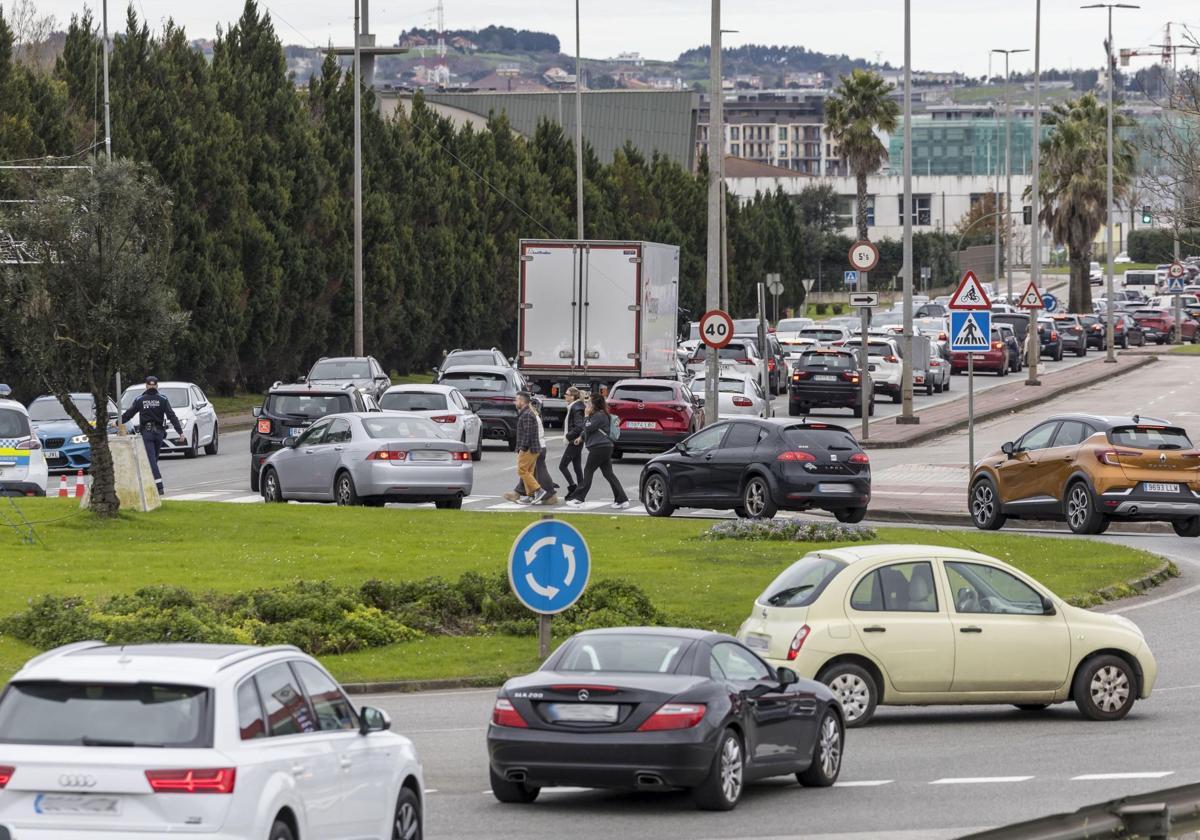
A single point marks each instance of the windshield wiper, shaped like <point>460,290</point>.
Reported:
<point>297,415</point>
<point>786,595</point>
<point>89,741</point>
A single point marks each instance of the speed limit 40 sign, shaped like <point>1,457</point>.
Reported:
<point>716,328</point>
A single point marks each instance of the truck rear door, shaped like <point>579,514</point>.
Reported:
<point>549,300</point>
<point>610,320</point>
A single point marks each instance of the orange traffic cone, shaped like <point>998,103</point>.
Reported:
<point>62,487</point>
<point>79,485</point>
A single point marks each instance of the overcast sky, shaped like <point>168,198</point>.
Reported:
<point>947,34</point>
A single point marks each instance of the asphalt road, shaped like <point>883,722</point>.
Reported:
<point>913,773</point>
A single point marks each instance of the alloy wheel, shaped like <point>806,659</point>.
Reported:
<point>756,498</point>
<point>830,747</point>
<point>407,826</point>
<point>852,693</point>
<point>1109,688</point>
<point>345,491</point>
<point>983,502</point>
<point>271,486</point>
<point>655,493</point>
<point>731,769</point>
<point>1078,506</point>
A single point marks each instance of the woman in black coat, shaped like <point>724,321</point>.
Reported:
<point>573,453</point>
<point>599,457</point>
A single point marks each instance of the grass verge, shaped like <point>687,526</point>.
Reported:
<point>235,547</point>
<point>1186,350</point>
<point>240,403</point>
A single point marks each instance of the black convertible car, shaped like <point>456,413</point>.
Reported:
<point>651,708</point>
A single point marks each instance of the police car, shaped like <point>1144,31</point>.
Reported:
<point>22,464</point>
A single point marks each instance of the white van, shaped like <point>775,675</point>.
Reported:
<point>22,464</point>
<point>1143,281</point>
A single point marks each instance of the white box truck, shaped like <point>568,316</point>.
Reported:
<point>592,312</point>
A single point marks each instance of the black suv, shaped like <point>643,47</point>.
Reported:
<point>490,391</point>
<point>361,372</point>
<point>290,409</point>
<point>470,358</point>
<point>827,378</point>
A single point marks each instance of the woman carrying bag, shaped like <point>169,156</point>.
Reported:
<point>596,425</point>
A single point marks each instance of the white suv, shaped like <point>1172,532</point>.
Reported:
<point>22,462</point>
<point>228,742</point>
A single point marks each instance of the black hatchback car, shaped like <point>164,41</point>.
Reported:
<point>759,467</point>
<point>827,378</point>
<point>490,390</point>
<point>290,409</point>
<point>656,708</point>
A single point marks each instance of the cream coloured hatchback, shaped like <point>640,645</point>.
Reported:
<point>923,625</point>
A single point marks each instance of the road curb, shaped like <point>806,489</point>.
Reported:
<point>1155,578</point>
<point>413,686</point>
<point>1040,395</point>
<point>964,519</point>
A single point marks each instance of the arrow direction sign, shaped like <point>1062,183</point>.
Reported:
<point>866,299</point>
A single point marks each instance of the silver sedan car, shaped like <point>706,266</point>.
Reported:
<point>370,458</point>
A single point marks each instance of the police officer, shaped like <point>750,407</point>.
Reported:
<point>153,410</point>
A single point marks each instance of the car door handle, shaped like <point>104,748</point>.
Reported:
<point>299,769</point>
<point>339,449</point>
<point>708,457</point>
<point>874,628</point>
<point>971,629</point>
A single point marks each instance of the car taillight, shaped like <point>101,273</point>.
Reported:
<point>934,363</point>
<point>943,337</point>
<point>770,364</point>
<point>860,458</point>
<point>891,359</point>
<point>744,361</point>
<point>1054,335</point>
<point>32,443</point>
<point>793,455</point>
<point>444,418</point>
<point>554,390</point>
<point>997,345</point>
<point>850,376</point>
<point>504,714</point>
<point>797,643</point>
<point>801,374</point>
<point>387,455</point>
<point>1112,456</point>
<point>264,427</point>
<point>6,773</point>
<point>460,456</point>
<point>674,716</point>
<point>208,780</point>
<point>742,402</point>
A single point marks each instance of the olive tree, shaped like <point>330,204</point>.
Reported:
<point>91,297</point>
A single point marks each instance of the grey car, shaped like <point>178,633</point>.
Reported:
<point>370,459</point>
<point>362,372</point>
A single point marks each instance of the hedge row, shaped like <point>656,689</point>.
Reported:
<point>1158,245</point>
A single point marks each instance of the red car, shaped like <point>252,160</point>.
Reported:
<point>1158,324</point>
<point>994,359</point>
<point>655,414</point>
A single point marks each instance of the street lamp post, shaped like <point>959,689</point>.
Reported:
<point>906,381</point>
<point>578,133</point>
<point>716,148</point>
<point>1109,337</point>
<point>358,231</point>
<point>1035,237</point>
<point>1008,271</point>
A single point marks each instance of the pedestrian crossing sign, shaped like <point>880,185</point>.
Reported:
<point>1032,299</point>
<point>970,330</point>
<point>1174,284</point>
<point>969,294</point>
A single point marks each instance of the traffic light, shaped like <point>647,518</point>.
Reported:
<point>1146,217</point>
<point>1028,214</point>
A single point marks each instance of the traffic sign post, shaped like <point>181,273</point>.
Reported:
<point>1031,301</point>
<point>867,299</point>
<point>716,328</point>
<point>850,278</point>
<point>775,287</point>
<point>970,332</point>
<point>863,258</point>
<point>548,569</point>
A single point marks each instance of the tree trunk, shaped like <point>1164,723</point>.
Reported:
<point>104,502</point>
<point>1080,289</point>
<point>860,215</point>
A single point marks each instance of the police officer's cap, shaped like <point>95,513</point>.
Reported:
<point>151,380</point>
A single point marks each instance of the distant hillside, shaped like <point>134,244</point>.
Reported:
<point>498,39</point>
<point>776,60</point>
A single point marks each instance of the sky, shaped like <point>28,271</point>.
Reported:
<point>947,34</point>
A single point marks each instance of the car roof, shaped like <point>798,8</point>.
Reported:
<point>73,395</point>
<point>646,381</point>
<point>187,663</point>
<point>870,553</point>
<point>13,404</point>
<point>672,632</point>
<point>458,371</point>
<point>306,387</point>
<point>342,359</point>
<point>417,388</point>
<point>1108,421</point>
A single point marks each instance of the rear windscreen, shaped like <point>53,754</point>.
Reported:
<point>13,424</point>
<point>1150,437</point>
<point>413,401</point>
<point>383,426</point>
<point>801,583</point>
<point>308,406</point>
<point>643,393</point>
<point>874,349</point>
<point>730,351</point>
<point>823,335</point>
<point>828,361</point>
<point>813,439</point>
<point>345,369</point>
<point>103,714</point>
<point>467,359</point>
<point>494,382</point>
<point>629,652</point>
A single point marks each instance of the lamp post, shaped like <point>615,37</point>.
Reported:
<point>906,381</point>
<point>716,147</point>
<point>107,113</point>
<point>1035,256</point>
<point>578,133</point>
<point>1109,337</point>
<point>358,231</point>
<point>1008,169</point>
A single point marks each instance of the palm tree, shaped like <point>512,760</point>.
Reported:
<point>1073,190</point>
<point>859,107</point>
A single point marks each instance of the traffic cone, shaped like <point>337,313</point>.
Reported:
<point>62,487</point>
<point>79,485</point>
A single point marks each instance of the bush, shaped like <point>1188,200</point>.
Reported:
<point>1157,245</point>
<point>822,308</point>
<point>788,530</point>
<point>837,309</point>
<point>317,616</point>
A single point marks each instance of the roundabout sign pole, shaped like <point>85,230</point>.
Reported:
<point>549,567</point>
<point>863,258</point>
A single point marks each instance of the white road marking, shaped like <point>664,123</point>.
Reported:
<point>981,780</point>
<point>430,790</point>
<point>1104,777</point>
<point>1155,601</point>
<point>1177,688</point>
<point>245,500</point>
<point>868,783</point>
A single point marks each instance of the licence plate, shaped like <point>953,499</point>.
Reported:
<point>641,424</point>
<point>584,712</point>
<point>834,488</point>
<point>54,803</point>
<point>430,456</point>
<point>758,641</point>
<point>824,378</point>
<point>1152,487</point>
<point>296,431</point>
<point>52,454</point>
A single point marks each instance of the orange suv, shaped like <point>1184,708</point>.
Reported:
<point>1089,471</point>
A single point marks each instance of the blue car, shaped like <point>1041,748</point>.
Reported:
<point>66,447</point>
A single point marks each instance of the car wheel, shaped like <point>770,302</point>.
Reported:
<point>722,789</point>
<point>740,512</point>
<point>194,448</point>
<point>985,506</point>
<point>805,409</point>
<point>512,792</point>
<point>477,452</point>
<point>896,398</point>
<point>655,497</point>
<point>946,385</point>
<point>827,753</point>
<point>1003,370</point>
<point>793,409</point>
<point>1080,510</point>
<point>272,490</point>
<point>855,689</point>
<point>1058,356</point>
<point>1187,527</point>
<point>756,499</point>
<point>929,389</point>
<point>281,831</point>
<point>213,445</point>
<point>344,492</point>
<point>449,504</point>
<point>850,515</point>
<point>1081,350</point>
<point>253,480</point>
<point>871,409</point>
<point>1105,688</point>
<point>407,825</point>
<point>857,410</point>
<point>1032,707</point>
<point>512,444</point>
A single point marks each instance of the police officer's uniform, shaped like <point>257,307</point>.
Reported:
<point>153,410</point>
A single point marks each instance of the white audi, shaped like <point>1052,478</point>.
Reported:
<point>227,742</point>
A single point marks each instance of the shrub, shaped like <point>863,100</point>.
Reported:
<point>788,530</point>
<point>822,308</point>
<point>1157,245</point>
<point>837,309</point>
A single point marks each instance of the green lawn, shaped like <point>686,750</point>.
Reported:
<point>234,547</point>
<point>1119,268</point>
<point>1187,350</point>
<point>240,403</point>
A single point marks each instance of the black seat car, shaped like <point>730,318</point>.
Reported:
<point>1071,331</point>
<point>1050,339</point>
<point>290,409</point>
<point>827,378</point>
<point>490,391</point>
<point>758,467</point>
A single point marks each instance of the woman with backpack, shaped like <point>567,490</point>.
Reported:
<point>597,435</point>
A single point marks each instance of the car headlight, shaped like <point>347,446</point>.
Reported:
<point>79,439</point>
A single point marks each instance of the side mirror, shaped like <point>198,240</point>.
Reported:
<point>1008,449</point>
<point>256,411</point>
<point>5,391</point>
<point>1048,606</point>
<point>681,448</point>
<point>786,676</point>
<point>371,719</point>
<point>302,379</point>
<point>291,442</point>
